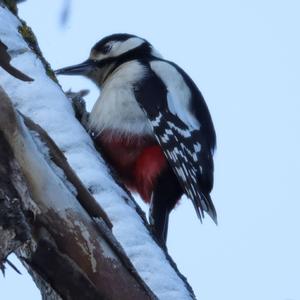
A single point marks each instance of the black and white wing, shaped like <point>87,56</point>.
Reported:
<point>183,127</point>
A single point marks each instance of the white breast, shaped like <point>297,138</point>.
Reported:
<point>116,107</point>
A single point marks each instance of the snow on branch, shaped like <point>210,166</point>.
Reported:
<point>90,252</point>
<point>44,102</point>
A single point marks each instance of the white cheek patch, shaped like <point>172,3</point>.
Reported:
<point>179,95</point>
<point>119,48</point>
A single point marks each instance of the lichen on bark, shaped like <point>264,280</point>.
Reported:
<point>11,5</point>
<point>29,37</point>
<point>31,40</point>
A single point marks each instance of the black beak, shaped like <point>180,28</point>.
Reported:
<point>80,69</point>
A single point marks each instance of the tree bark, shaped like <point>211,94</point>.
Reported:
<point>68,248</point>
<point>53,223</point>
<point>14,230</point>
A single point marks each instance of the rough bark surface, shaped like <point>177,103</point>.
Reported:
<point>14,230</point>
<point>77,256</point>
<point>62,237</point>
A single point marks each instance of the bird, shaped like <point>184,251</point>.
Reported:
<point>152,125</point>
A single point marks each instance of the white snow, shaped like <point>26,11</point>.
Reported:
<point>57,170</point>
<point>45,103</point>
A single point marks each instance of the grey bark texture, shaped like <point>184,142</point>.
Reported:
<point>56,237</point>
<point>62,237</point>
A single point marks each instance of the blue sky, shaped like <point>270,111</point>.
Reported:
<point>244,56</point>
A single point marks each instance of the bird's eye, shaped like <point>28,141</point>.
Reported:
<point>106,48</point>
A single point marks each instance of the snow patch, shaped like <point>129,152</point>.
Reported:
<point>44,102</point>
<point>88,248</point>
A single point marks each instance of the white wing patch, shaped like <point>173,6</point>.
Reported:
<point>184,132</point>
<point>179,95</point>
<point>157,120</point>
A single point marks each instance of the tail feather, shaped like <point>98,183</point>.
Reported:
<point>209,207</point>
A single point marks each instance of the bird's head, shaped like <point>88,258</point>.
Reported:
<point>109,53</point>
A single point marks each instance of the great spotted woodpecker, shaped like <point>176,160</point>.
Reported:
<point>152,125</point>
